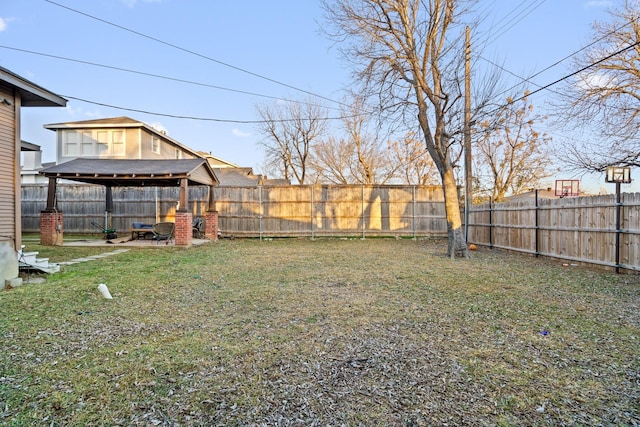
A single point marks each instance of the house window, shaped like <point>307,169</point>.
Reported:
<point>86,144</point>
<point>117,143</point>
<point>155,144</point>
<point>94,143</point>
<point>71,145</point>
<point>103,143</point>
<point>178,153</point>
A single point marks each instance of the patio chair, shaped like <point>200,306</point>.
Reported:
<point>163,231</point>
<point>197,228</point>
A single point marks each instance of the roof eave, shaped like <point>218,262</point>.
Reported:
<point>75,125</point>
<point>32,95</point>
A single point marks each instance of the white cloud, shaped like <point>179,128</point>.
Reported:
<point>591,81</point>
<point>4,22</point>
<point>598,3</point>
<point>239,133</point>
<point>79,113</point>
<point>95,114</point>
<point>132,3</point>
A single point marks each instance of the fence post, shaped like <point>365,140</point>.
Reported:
<point>363,220</point>
<point>537,232</point>
<point>490,223</point>
<point>312,236</point>
<point>413,201</point>
<point>260,211</point>
<point>618,215</point>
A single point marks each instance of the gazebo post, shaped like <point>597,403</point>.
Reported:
<point>184,217</point>
<point>108,208</point>
<point>211,218</point>
<point>51,219</point>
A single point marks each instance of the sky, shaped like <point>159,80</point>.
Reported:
<point>219,59</point>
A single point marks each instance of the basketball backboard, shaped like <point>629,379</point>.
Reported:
<point>567,187</point>
<point>621,174</point>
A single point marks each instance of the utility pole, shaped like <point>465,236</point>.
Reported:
<point>468,176</point>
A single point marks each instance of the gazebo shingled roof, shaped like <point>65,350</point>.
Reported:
<point>134,173</point>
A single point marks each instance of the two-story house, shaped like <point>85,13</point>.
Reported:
<point>116,138</point>
<point>110,138</point>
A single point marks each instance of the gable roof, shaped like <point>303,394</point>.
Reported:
<point>31,94</point>
<point>120,122</point>
<point>134,173</point>
<point>237,177</point>
<point>217,162</point>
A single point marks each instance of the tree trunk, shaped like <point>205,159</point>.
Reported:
<point>457,243</point>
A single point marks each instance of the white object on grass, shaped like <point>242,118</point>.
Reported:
<point>104,291</point>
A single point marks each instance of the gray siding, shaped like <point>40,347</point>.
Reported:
<point>9,242</point>
<point>8,166</point>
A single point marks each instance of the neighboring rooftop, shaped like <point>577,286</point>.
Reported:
<point>31,95</point>
<point>237,177</point>
<point>28,146</point>
<point>530,195</point>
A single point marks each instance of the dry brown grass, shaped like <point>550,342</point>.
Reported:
<point>325,332</point>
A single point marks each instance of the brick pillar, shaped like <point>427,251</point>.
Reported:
<point>51,228</point>
<point>183,228</point>
<point>211,225</point>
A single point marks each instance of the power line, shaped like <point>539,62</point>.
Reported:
<point>157,40</point>
<point>583,69</point>
<point>205,119</point>
<point>528,79</point>
<point>158,76</point>
<point>523,14</point>
<point>513,21</point>
<point>565,77</point>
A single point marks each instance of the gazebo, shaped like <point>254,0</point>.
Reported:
<point>132,173</point>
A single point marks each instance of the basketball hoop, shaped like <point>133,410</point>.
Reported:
<point>618,174</point>
<point>567,188</point>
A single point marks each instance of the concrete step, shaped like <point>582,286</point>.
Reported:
<point>29,260</point>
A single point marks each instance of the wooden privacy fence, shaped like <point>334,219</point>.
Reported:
<point>264,211</point>
<point>331,210</point>
<point>595,230</point>
<point>581,229</point>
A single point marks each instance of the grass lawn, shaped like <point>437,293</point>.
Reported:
<point>325,332</point>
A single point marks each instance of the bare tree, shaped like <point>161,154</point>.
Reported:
<point>290,129</point>
<point>359,157</point>
<point>408,53</point>
<point>512,155</point>
<point>605,95</point>
<point>415,167</point>
<point>332,160</point>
